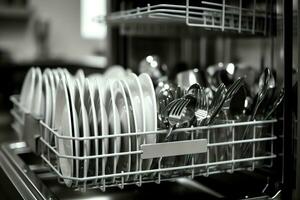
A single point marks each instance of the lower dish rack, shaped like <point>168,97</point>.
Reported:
<point>194,151</point>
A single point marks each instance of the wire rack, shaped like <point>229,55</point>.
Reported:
<point>210,15</point>
<point>18,115</point>
<point>193,151</point>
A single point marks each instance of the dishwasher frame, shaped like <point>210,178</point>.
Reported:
<point>290,180</point>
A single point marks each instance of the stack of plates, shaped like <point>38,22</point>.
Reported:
<point>112,103</point>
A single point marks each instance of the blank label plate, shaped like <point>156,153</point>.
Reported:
<point>174,148</point>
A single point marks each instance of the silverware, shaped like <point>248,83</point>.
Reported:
<point>268,99</point>
<point>175,115</point>
<point>266,82</point>
<point>276,103</point>
<point>166,94</point>
<point>182,110</point>
<point>217,103</point>
<point>232,90</point>
<point>187,78</point>
<point>230,94</point>
<point>201,112</point>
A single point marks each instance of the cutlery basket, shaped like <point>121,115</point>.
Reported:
<point>193,151</point>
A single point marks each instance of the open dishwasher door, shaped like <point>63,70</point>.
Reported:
<point>30,179</point>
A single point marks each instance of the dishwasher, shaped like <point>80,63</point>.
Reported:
<point>179,36</point>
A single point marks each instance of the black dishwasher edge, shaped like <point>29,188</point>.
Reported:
<point>18,173</point>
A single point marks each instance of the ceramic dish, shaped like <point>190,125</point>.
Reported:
<point>150,111</point>
<point>65,147</point>
<point>136,95</point>
<point>80,76</point>
<point>102,121</point>
<point>27,90</point>
<point>37,108</point>
<point>115,72</point>
<point>71,85</point>
<point>55,76</point>
<point>51,81</point>
<point>50,77</point>
<point>114,128</point>
<point>92,116</point>
<point>119,96</point>
<point>133,125</point>
<point>84,130</point>
<point>61,73</point>
<point>47,99</point>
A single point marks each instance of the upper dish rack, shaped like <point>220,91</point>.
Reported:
<point>195,151</point>
<point>209,15</point>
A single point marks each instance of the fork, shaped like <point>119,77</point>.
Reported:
<point>201,111</point>
<point>175,115</point>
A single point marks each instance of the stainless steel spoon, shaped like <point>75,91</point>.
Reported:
<point>276,103</point>
<point>266,81</point>
<point>217,103</point>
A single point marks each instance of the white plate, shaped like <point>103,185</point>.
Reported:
<point>74,114</point>
<point>94,77</point>
<point>84,131</point>
<point>133,125</point>
<point>92,115</point>
<point>119,96</point>
<point>47,99</point>
<point>136,96</point>
<point>48,73</point>
<point>37,107</point>
<point>63,124</point>
<point>55,76</point>
<point>80,76</point>
<point>114,125</point>
<point>115,72</point>
<point>61,73</point>
<point>102,123</point>
<point>150,111</point>
<point>27,90</point>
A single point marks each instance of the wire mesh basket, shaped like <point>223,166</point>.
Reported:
<point>193,151</point>
<point>220,16</point>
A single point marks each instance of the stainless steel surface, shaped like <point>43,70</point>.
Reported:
<point>25,123</point>
<point>20,175</point>
<point>174,148</point>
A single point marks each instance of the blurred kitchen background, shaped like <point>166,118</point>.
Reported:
<point>59,33</point>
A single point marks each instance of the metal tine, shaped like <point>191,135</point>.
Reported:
<point>175,115</point>
<point>177,107</point>
<point>171,105</point>
<point>174,104</point>
<point>234,87</point>
<point>185,102</point>
<point>203,97</point>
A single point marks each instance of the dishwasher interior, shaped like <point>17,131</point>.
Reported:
<point>184,35</point>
